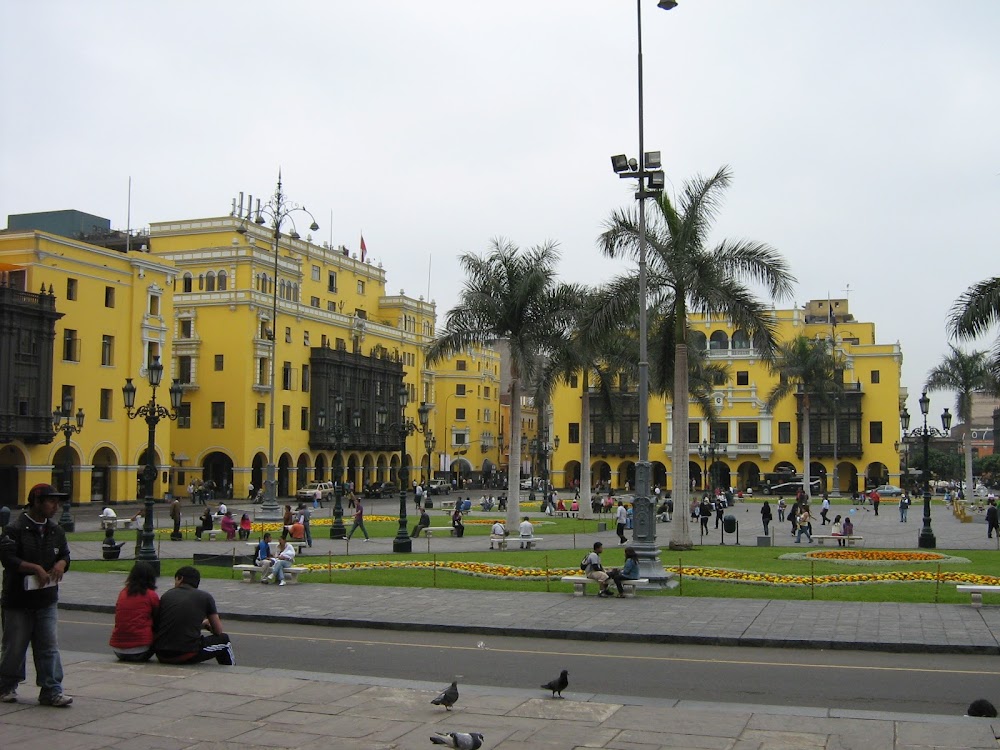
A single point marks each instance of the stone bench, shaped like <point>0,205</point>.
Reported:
<point>429,531</point>
<point>526,542</point>
<point>499,541</point>
<point>567,513</point>
<point>977,592</point>
<point>211,533</point>
<point>580,584</point>
<point>850,539</point>
<point>251,573</point>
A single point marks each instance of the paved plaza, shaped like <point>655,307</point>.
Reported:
<point>207,706</point>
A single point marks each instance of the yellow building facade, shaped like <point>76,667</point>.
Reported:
<point>116,313</point>
<point>751,444</point>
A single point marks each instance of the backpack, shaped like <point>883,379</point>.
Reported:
<point>583,563</point>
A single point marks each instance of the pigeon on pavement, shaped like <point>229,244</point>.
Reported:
<point>458,740</point>
<point>558,685</point>
<point>447,697</point>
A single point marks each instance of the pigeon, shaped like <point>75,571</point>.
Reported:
<point>458,740</point>
<point>557,686</point>
<point>448,697</point>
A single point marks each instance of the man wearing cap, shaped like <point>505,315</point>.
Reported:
<point>35,556</point>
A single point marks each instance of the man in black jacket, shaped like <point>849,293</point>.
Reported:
<point>35,556</point>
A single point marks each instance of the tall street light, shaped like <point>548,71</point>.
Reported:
<point>339,433</point>
<point>62,422</point>
<point>152,413</point>
<point>403,429</point>
<point>926,538</point>
<point>543,449</point>
<point>650,183</point>
<point>276,210</point>
<point>423,416</point>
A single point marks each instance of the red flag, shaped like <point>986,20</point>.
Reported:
<point>364,250</point>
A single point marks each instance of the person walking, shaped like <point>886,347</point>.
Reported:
<point>904,506</point>
<point>35,556</point>
<point>991,519</point>
<point>250,492</point>
<point>804,520</point>
<point>704,513</point>
<point>720,506</point>
<point>621,517</point>
<point>876,499</point>
<point>793,516</point>
<point>286,522</point>
<point>765,515</point>
<point>824,509</point>
<point>183,611</point>
<point>781,509</point>
<point>359,520</point>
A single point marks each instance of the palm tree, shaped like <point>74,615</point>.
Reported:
<point>975,312</point>
<point>685,273</point>
<point>514,296</point>
<point>805,365</point>
<point>965,374</point>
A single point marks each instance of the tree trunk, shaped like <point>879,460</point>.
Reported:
<point>680,534</point>
<point>585,496</point>
<point>514,464</point>
<point>970,489</point>
<point>806,448</point>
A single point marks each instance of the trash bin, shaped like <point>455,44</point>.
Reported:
<point>763,541</point>
<point>602,525</point>
<point>729,524</point>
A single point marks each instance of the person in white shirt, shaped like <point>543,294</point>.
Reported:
<point>222,509</point>
<point>498,530</point>
<point>594,570</point>
<point>824,510</point>
<point>108,513</point>
<point>621,517</point>
<point>284,559</point>
<point>526,530</point>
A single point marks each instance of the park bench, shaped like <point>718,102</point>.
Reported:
<point>273,546</point>
<point>528,541</point>
<point>116,523</point>
<point>977,592</point>
<point>580,584</point>
<point>448,505</point>
<point>850,539</point>
<point>429,530</point>
<point>567,513</point>
<point>210,533</point>
<point>251,572</point>
<point>499,541</point>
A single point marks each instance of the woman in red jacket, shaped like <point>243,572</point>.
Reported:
<point>136,609</point>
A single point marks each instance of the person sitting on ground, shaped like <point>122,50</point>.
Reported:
<point>245,526</point>
<point>228,526</point>
<point>284,559</point>
<point>207,524</point>
<point>135,613</point>
<point>594,570</point>
<point>183,611</point>
<point>423,523</point>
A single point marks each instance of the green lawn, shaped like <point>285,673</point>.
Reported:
<point>759,560</point>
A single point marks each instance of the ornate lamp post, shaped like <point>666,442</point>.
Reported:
<point>152,413</point>
<point>542,449</point>
<point>62,422</point>
<point>708,450</point>
<point>926,538</point>
<point>423,416</point>
<point>277,209</point>
<point>339,433</point>
<point>403,429</point>
<point>703,451</point>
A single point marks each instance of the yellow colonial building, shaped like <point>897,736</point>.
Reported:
<point>744,445</point>
<point>111,315</point>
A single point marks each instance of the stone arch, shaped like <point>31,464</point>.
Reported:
<point>659,475</point>
<point>697,476</point>
<point>626,474</point>
<point>818,471</point>
<point>747,476</point>
<point>718,341</point>
<point>302,467</point>
<point>319,469</point>
<point>284,476</point>
<point>187,282</point>
<point>223,280</point>
<point>368,472</point>
<point>217,466</point>
<point>699,341</point>
<point>720,475</point>
<point>785,466</point>
<point>102,486</point>
<point>12,465</point>
<point>877,473</point>
<point>66,471</point>
<point>257,466</point>
<point>210,281</point>
<point>600,474</point>
<point>740,339</point>
<point>381,468</point>
<point>571,470</point>
<point>847,478</point>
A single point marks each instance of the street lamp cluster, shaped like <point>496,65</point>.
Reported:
<point>708,449</point>
<point>62,421</point>
<point>926,538</point>
<point>542,449</point>
<point>152,413</point>
<point>277,210</point>
<point>339,433</point>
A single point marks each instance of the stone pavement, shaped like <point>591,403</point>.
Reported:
<point>207,707</point>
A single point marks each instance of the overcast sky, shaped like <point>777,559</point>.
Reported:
<point>864,137</point>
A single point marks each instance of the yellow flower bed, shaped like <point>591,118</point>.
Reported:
<point>877,555</point>
<point>495,570</point>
